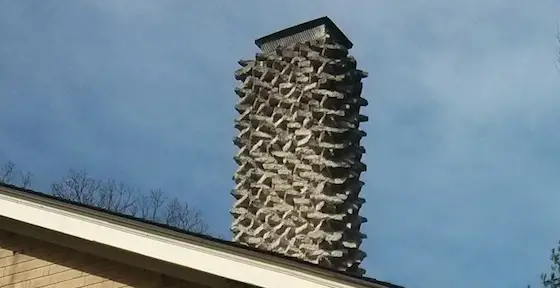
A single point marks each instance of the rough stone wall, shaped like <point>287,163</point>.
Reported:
<point>299,156</point>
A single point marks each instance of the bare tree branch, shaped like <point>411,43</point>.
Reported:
<point>182,216</point>
<point>9,173</point>
<point>78,186</point>
<point>116,197</point>
<point>26,179</point>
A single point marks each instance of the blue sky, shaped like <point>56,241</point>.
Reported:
<point>463,149</point>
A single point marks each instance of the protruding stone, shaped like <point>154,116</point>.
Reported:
<point>297,184</point>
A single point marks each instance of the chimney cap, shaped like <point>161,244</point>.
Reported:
<point>303,32</point>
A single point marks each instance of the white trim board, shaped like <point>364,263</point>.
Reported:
<point>196,256</point>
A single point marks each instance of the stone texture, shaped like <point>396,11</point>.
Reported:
<point>299,159</point>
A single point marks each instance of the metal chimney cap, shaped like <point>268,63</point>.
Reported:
<point>303,32</point>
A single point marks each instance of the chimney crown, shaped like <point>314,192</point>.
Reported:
<point>303,32</point>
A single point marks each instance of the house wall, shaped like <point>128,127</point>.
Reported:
<point>26,262</point>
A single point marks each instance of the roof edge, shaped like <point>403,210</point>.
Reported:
<point>200,253</point>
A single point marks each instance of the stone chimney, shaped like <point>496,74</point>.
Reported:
<point>298,181</point>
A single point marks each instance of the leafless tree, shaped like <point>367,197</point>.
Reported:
<point>78,186</point>
<point>10,175</point>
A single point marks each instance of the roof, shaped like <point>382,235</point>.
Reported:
<point>162,242</point>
